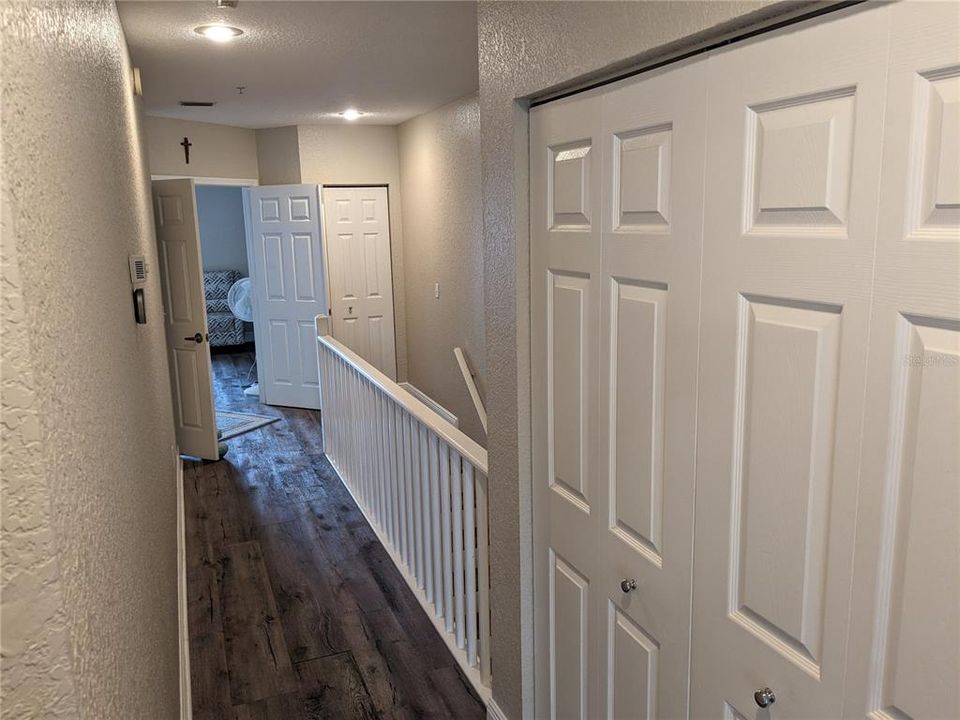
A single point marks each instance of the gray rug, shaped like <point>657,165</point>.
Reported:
<point>230,424</point>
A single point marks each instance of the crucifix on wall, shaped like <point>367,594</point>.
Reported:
<point>186,145</point>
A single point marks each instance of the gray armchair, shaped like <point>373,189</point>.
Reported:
<point>223,326</point>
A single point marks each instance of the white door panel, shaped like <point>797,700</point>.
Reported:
<point>653,143</point>
<point>361,280</point>
<point>617,203</point>
<point>905,632</point>
<point>181,280</point>
<point>793,154</point>
<point>289,291</point>
<point>565,301</point>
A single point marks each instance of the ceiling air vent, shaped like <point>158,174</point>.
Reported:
<point>196,103</point>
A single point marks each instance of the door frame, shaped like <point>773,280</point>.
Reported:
<point>393,275</point>
<point>244,184</point>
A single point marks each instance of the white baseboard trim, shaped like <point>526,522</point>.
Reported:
<point>186,699</point>
<point>494,712</point>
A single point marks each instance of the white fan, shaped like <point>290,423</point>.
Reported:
<point>241,305</point>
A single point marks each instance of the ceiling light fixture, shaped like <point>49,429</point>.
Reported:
<point>351,114</point>
<point>218,33</point>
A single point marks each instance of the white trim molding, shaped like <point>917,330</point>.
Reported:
<point>186,697</point>
<point>243,182</point>
<point>494,712</point>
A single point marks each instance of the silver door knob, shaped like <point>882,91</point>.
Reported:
<point>628,584</point>
<point>765,697</point>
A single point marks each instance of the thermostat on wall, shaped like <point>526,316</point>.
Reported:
<point>138,271</point>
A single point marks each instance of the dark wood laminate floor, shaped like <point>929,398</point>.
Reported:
<point>295,609</point>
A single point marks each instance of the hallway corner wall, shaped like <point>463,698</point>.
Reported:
<point>89,497</point>
<point>440,175</point>
<point>278,155</point>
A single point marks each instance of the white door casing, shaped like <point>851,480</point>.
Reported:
<point>905,623</point>
<point>185,317</point>
<point>793,165</point>
<point>616,205</point>
<point>287,274</point>
<point>361,279</point>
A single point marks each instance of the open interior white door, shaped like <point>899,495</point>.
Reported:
<point>361,283</point>
<point>289,291</point>
<point>178,247</point>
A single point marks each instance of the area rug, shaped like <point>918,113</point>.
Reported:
<point>230,424</point>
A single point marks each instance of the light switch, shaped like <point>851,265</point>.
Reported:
<point>436,290</point>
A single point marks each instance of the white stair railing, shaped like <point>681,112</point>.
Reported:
<point>422,485</point>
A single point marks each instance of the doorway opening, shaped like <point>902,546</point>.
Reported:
<point>253,273</point>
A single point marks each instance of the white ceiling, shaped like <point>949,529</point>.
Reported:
<point>302,62</point>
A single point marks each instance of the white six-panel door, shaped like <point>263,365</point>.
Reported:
<point>361,280</point>
<point>181,281</point>
<point>814,376</point>
<point>289,291</point>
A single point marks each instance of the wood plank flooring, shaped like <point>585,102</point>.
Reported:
<point>295,611</point>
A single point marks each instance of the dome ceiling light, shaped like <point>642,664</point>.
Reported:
<point>219,33</point>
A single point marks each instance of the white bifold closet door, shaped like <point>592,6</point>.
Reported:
<point>805,372</point>
<point>616,207</point>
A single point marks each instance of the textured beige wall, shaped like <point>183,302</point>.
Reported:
<point>440,176</point>
<point>278,155</point>
<point>221,151</point>
<point>362,155</point>
<point>527,48</point>
<point>89,576</point>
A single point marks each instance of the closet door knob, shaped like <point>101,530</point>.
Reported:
<point>628,584</point>
<point>765,697</point>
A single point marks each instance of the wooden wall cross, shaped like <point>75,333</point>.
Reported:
<point>186,145</point>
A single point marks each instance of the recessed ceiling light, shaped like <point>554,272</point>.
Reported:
<point>218,33</point>
<point>351,114</point>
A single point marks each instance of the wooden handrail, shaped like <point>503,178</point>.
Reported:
<point>450,434</point>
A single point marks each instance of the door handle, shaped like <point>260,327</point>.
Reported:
<point>198,338</point>
<point>764,697</point>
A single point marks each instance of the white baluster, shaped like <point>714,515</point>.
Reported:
<point>469,565</point>
<point>435,543</point>
<point>456,480</point>
<point>425,512</point>
<point>384,465</point>
<point>406,518</point>
<point>395,474</point>
<point>444,454</point>
<point>483,574</point>
<point>417,503</point>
